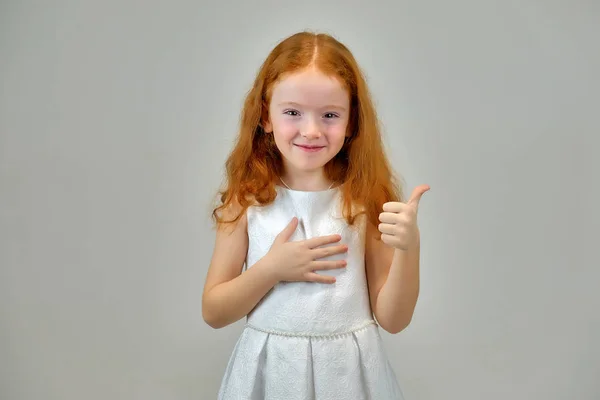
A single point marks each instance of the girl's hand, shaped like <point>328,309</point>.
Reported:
<point>297,261</point>
<point>398,225</point>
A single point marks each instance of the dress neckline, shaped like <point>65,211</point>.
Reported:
<point>286,189</point>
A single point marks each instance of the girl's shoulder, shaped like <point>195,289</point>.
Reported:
<point>234,214</point>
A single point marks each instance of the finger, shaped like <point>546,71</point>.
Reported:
<point>329,251</point>
<point>322,240</point>
<point>327,265</point>
<point>394,207</point>
<point>288,231</point>
<point>390,240</point>
<point>314,277</point>
<point>397,219</point>
<point>388,229</point>
<point>416,195</point>
<point>388,217</point>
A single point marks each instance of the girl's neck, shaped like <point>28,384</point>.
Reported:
<point>306,185</point>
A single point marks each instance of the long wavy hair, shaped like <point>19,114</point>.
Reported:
<point>361,166</point>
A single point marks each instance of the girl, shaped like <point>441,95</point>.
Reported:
<point>313,244</point>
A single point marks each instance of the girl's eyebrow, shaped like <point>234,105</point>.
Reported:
<point>331,106</point>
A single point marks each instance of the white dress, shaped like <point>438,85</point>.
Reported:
<point>308,340</point>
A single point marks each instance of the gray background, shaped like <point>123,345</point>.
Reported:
<point>116,118</point>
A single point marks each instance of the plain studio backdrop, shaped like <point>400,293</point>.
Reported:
<point>116,118</point>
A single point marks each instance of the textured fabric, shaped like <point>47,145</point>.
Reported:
<point>308,340</point>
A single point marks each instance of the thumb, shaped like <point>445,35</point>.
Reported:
<point>288,231</point>
<point>416,195</point>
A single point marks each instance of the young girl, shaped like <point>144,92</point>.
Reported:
<point>313,243</point>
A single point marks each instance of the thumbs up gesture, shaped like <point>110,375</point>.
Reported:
<point>398,225</point>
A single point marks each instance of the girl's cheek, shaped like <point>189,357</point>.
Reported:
<point>335,129</point>
<point>288,126</point>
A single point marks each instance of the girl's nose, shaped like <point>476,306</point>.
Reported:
<point>311,130</point>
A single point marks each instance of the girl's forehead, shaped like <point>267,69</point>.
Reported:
<point>309,87</point>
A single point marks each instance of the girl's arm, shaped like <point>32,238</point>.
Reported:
<point>229,295</point>
<point>393,279</point>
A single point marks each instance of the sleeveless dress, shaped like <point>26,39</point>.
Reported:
<point>308,340</point>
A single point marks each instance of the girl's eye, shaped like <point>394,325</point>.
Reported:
<point>331,115</point>
<point>292,113</point>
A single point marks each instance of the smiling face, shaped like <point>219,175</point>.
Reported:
<point>308,117</point>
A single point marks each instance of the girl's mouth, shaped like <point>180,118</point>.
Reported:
<point>310,149</point>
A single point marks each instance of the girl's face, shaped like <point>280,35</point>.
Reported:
<point>308,116</point>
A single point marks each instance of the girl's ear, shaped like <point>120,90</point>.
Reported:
<point>267,126</point>
<point>266,121</point>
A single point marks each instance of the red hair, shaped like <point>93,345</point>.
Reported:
<point>255,163</point>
